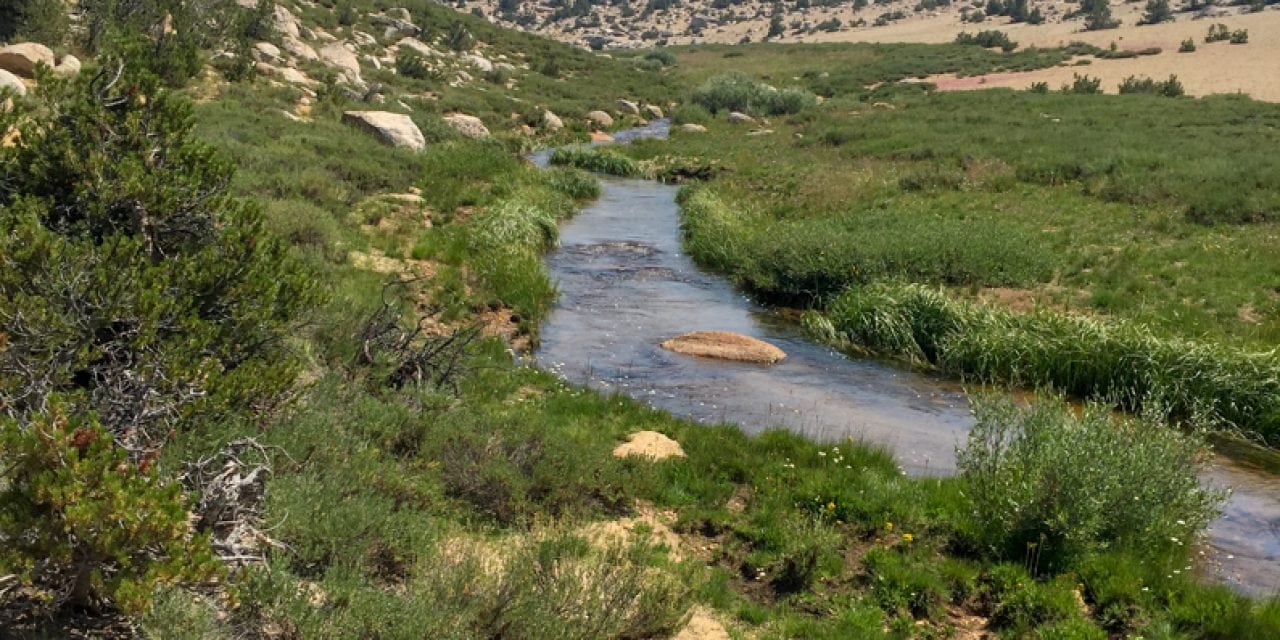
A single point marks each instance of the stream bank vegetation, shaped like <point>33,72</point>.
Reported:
<point>291,380</point>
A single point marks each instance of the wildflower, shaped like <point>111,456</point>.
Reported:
<point>888,526</point>
<point>822,453</point>
<point>906,537</point>
<point>831,506</point>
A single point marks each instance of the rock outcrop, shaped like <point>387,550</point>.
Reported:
<point>23,58</point>
<point>395,129</point>
<point>468,126</point>
<point>12,83</point>
<point>299,49</point>
<point>337,55</point>
<point>723,345</point>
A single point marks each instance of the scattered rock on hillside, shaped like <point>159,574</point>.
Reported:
<point>12,82</point>
<point>22,59</point>
<point>299,49</point>
<point>285,22</point>
<point>693,128</point>
<point>649,444</point>
<point>468,126</point>
<point>654,111</point>
<point>338,55</point>
<point>600,119</point>
<point>395,27</point>
<point>287,74</point>
<point>723,345</point>
<point>363,39</point>
<point>395,129</point>
<point>737,117</point>
<point>417,46</point>
<point>479,62</point>
<point>760,132</point>
<point>552,121</point>
<point>629,107</point>
<point>266,52</point>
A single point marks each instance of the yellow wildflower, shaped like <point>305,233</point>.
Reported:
<point>888,526</point>
<point>906,537</point>
<point>831,506</point>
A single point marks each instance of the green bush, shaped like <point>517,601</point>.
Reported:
<point>136,285</point>
<point>84,523</point>
<point>1187,46</point>
<point>738,92</point>
<point>575,183</point>
<point>597,160</point>
<point>1084,84</point>
<point>35,20</point>
<point>1170,88</point>
<point>1051,488</point>
<point>988,39</point>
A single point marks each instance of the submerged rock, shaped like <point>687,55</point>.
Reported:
<point>724,345</point>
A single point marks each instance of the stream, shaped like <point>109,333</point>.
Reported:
<point>625,286</point>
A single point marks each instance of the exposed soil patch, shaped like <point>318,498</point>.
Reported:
<point>650,444</point>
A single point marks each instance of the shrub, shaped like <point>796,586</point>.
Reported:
<point>1039,87</point>
<point>1157,11</point>
<point>575,183</point>
<point>989,38</point>
<point>1217,33</point>
<point>662,56</point>
<point>79,520</point>
<point>597,160</point>
<point>135,285</point>
<point>35,20</point>
<point>1084,84</point>
<point>1053,487</point>
<point>1170,88</point>
<point>738,92</point>
<point>1239,36</point>
<point>412,65</point>
<point>1187,46</point>
<point>690,114</point>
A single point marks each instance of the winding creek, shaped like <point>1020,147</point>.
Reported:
<point>625,286</point>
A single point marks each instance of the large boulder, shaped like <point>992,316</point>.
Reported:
<point>654,111</point>
<point>395,129</point>
<point>68,67</point>
<point>363,39</point>
<point>12,83</point>
<point>266,52</point>
<point>336,54</point>
<point>600,119</point>
<point>723,345</point>
<point>418,47</point>
<point>299,49</point>
<point>479,62</point>
<point>551,121</point>
<point>286,23</point>
<point>23,58</point>
<point>395,27</point>
<point>468,126</point>
<point>628,107</point>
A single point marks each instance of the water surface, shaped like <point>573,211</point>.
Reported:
<point>625,286</point>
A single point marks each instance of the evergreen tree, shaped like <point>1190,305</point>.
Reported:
<point>1098,15</point>
<point>1157,11</point>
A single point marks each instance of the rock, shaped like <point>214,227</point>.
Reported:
<point>649,444</point>
<point>478,62</point>
<point>286,23</point>
<point>600,119</point>
<point>725,346</point>
<point>372,61</point>
<point>468,126</point>
<point>600,136</point>
<point>654,111</point>
<point>395,129</point>
<point>417,46</point>
<point>399,13</point>
<point>299,49</point>
<point>68,67</point>
<point>363,39</point>
<point>287,74</point>
<point>504,66</point>
<point>629,107</point>
<point>338,55</point>
<point>552,121</point>
<point>12,83</point>
<point>738,117</point>
<point>702,626</point>
<point>395,27</point>
<point>266,52</point>
<point>22,59</point>
<point>760,132</point>
<point>693,128</point>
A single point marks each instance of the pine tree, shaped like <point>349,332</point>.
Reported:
<point>1157,11</point>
